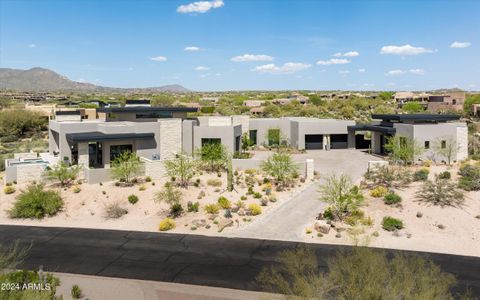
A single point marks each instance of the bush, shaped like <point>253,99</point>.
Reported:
<point>214,182</point>
<point>142,187</point>
<point>36,202</point>
<point>445,175</point>
<point>224,202</point>
<point>379,191</point>
<point>328,214</point>
<point>148,179</point>
<point>172,196</point>
<point>257,195</point>
<point>470,180</point>
<point>240,204</point>
<point>193,207</point>
<point>392,198</point>
<point>421,174</point>
<point>441,192</point>
<point>115,211</point>
<point>243,198</point>
<point>212,208</point>
<point>9,190</point>
<point>63,173</point>
<point>341,194</point>
<point>133,199</point>
<point>254,209</point>
<point>176,209</point>
<point>76,292</point>
<point>166,224</point>
<point>354,217</point>
<point>391,224</point>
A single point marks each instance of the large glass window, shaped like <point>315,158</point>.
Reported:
<point>117,150</point>
<point>154,115</point>
<point>253,137</point>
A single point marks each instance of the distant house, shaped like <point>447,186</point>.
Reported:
<point>448,101</point>
<point>257,110</point>
<point>476,110</point>
<point>137,103</point>
<point>403,97</point>
<point>253,103</point>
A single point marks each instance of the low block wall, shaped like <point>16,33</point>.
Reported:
<point>154,168</point>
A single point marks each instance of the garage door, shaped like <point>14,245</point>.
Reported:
<point>339,141</point>
<point>313,141</point>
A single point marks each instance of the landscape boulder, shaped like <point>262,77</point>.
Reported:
<point>224,223</point>
<point>199,223</point>
<point>322,226</point>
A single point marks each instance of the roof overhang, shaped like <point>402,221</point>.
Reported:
<point>374,128</point>
<point>139,109</point>
<point>416,117</point>
<point>96,136</point>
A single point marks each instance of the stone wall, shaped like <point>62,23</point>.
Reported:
<point>170,138</point>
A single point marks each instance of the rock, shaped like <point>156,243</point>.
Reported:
<point>199,223</point>
<point>322,226</point>
<point>419,215</point>
<point>224,223</point>
<point>212,216</point>
<point>320,216</point>
<point>338,235</point>
<point>241,212</point>
<point>235,209</point>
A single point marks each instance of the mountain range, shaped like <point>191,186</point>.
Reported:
<point>41,79</point>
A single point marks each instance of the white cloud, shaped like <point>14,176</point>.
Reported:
<point>32,46</point>
<point>252,57</point>
<point>404,50</point>
<point>333,61</point>
<point>200,6</point>
<point>403,72</point>
<point>361,70</point>
<point>460,45</point>
<point>191,48</point>
<point>286,68</point>
<point>347,54</point>
<point>202,68</point>
<point>158,58</point>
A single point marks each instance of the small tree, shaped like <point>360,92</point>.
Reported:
<point>403,149</point>
<point>341,194</point>
<point>172,196</point>
<point>446,148</point>
<point>246,142</point>
<point>281,167</point>
<point>229,166</point>
<point>63,173</point>
<point>273,137</point>
<point>126,166</point>
<point>212,156</point>
<point>181,167</point>
<point>441,192</point>
<point>12,255</point>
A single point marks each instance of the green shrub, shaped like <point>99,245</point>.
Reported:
<point>193,207</point>
<point>392,198</point>
<point>243,198</point>
<point>166,224</point>
<point>421,174</point>
<point>76,189</point>
<point>214,182</point>
<point>148,179</point>
<point>445,175</point>
<point>114,211</point>
<point>133,199</point>
<point>9,190</point>
<point>354,217</point>
<point>328,214</point>
<point>212,208</point>
<point>240,204</point>
<point>379,191</point>
<point>224,202</point>
<point>257,195</point>
<point>176,209</point>
<point>76,292</point>
<point>470,180</point>
<point>254,209</point>
<point>391,224</point>
<point>36,202</point>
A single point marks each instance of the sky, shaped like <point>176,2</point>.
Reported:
<point>223,45</point>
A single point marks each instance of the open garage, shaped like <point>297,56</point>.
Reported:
<point>313,141</point>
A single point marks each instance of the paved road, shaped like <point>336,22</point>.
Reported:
<point>190,259</point>
<point>289,219</point>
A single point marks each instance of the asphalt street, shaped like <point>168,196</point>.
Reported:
<point>191,259</point>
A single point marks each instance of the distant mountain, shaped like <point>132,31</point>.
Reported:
<point>40,79</point>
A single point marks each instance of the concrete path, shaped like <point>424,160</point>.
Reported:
<point>179,258</point>
<point>288,220</point>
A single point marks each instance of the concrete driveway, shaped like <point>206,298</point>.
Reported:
<point>288,220</point>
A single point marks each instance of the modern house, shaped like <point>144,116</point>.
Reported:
<point>430,131</point>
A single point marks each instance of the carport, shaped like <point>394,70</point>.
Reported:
<point>379,135</point>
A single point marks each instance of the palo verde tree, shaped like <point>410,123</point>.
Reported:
<point>212,156</point>
<point>341,194</point>
<point>182,167</point>
<point>403,149</point>
<point>126,167</point>
<point>63,173</point>
<point>446,148</point>
<point>281,167</point>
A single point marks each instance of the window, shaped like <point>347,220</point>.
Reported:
<point>427,144</point>
<point>253,137</point>
<point>154,115</point>
<point>211,141</point>
<point>454,101</point>
<point>118,150</point>
<point>444,144</point>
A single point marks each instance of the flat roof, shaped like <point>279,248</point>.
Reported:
<point>67,112</point>
<point>416,117</point>
<point>374,128</point>
<point>136,109</point>
<point>96,136</point>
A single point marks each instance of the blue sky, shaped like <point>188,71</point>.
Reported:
<point>246,44</point>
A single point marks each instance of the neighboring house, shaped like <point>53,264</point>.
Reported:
<point>430,131</point>
<point>137,103</point>
<point>253,103</point>
<point>476,110</point>
<point>403,97</point>
<point>449,101</point>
